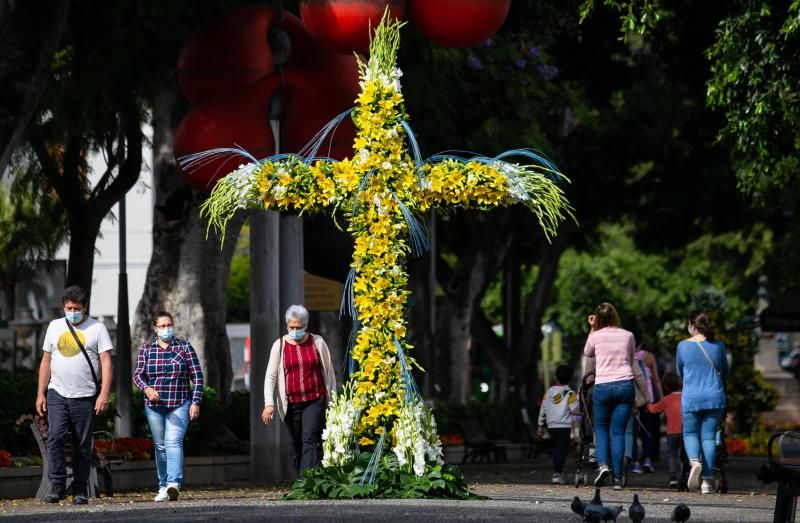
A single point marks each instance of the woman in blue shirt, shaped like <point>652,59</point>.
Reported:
<point>702,364</point>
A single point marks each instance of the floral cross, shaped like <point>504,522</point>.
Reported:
<point>379,190</point>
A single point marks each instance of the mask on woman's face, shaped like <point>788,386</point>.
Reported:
<point>297,335</point>
<point>165,334</point>
<point>689,328</point>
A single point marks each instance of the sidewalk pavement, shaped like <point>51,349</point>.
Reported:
<point>518,492</point>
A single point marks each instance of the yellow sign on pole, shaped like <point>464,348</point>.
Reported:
<point>321,294</point>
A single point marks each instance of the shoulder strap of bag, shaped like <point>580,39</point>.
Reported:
<point>716,371</point>
<point>85,354</point>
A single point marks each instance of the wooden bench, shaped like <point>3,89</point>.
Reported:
<point>478,447</point>
<point>783,466</point>
<point>101,461</point>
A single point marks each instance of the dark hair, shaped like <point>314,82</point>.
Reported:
<point>606,316</point>
<point>162,314</point>
<point>564,374</point>
<point>75,293</point>
<point>702,323</point>
<point>672,382</point>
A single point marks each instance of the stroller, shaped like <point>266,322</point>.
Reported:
<point>587,460</point>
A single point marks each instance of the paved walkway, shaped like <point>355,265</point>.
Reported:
<point>518,492</point>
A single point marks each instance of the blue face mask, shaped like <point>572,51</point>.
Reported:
<point>689,328</point>
<point>73,317</point>
<point>297,335</point>
<point>165,334</point>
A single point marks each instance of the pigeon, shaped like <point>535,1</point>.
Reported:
<point>577,506</point>
<point>636,510</point>
<point>593,512</point>
<point>611,513</point>
<point>681,513</point>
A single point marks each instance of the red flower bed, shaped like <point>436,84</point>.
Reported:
<point>736,446</point>
<point>131,448</point>
<point>451,440</point>
<point>5,458</point>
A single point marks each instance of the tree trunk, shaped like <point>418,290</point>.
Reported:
<point>83,230</point>
<point>496,352</point>
<point>528,347</point>
<point>29,35</point>
<point>9,301</point>
<point>187,275</point>
<point>464,286</point>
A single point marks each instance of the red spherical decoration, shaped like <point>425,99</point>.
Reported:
<point>226,122</point>
<point>243,120</point>
<point>307,53</point>
<point>459,23</point>
<point>231,53</point>
<point>307,112</point>
<point>344,24</point>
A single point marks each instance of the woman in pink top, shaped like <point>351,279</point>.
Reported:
<point>612,347</point>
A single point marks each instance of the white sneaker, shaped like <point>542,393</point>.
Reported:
<point>694,475</point>
<point>557,479</point>
<point>602,473</point>
<point>706,487</point>
<point>162,495</point>
<point>172,491</point>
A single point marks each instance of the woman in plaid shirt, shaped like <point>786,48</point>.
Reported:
<point>164,368</point>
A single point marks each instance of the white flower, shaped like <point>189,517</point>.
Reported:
<point>386,166</point>
<point>363,155</point>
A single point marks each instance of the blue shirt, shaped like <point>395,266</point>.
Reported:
<point>702,387</point>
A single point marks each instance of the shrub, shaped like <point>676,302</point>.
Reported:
<point>18,390</point>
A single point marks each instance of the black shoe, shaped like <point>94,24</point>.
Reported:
<point>79,499</point>
<point>56,495</point>
<point>619,484</point>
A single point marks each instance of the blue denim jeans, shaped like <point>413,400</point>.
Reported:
<point>612,404</point>
<point>168,427</point>
<point>700,430</point>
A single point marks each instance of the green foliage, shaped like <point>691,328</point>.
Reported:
<point>754,82</point>
<point>655,292</point>
<point>32,226</point>
<point>18,390</point>
<point>636,16</point>
<point>437,481</point>
<point>237,300</point>
<point>749,394</point>
<point>237,414</point>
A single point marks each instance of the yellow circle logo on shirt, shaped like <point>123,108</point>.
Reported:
<point>67,346</point>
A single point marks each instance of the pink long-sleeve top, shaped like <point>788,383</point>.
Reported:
<point>613,349</point>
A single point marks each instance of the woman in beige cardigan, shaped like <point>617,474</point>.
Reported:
<point>300,365</point>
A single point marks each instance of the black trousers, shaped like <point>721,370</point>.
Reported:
<point>560,440</point>
<point>305,420</point>
<point>69,417</point>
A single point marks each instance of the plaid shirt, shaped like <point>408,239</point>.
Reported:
<point>167,371</point>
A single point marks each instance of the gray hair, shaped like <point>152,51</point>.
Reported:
<point>297,312</point>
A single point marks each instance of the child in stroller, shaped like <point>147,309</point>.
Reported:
<point>587,460</point>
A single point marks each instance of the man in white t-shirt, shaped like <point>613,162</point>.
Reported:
<point>70,392</point>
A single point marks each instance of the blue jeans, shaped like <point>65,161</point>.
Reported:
<point>612,404</point>
<point>168,426</point>
<point>700,430</point>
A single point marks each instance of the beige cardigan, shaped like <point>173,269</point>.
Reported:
<point>275,373</point>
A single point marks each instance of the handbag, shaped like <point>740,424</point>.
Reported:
<point>85,355</point>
